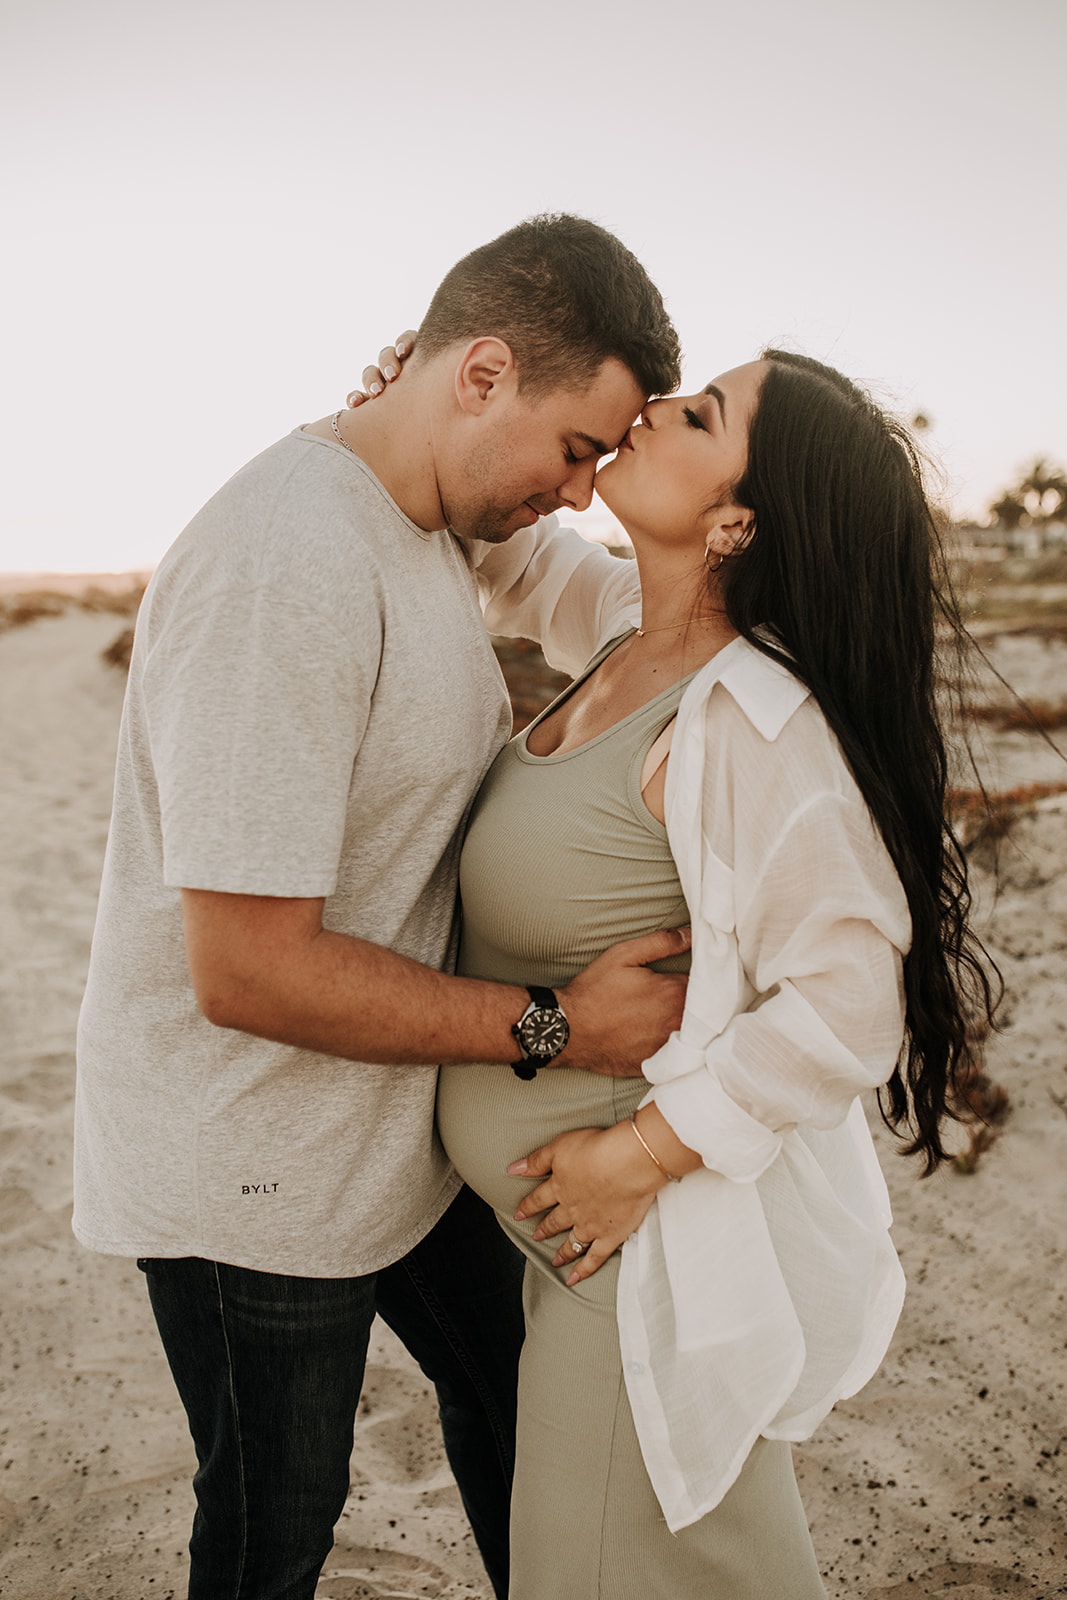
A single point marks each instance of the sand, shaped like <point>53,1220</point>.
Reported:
<point>945,1477</point>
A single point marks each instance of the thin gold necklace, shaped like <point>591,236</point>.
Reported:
<point>668,626</point>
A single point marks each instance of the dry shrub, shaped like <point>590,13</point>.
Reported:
<point>120,602</point>
<point>1032,715</point>
<point>981,1105</point>
<point>981,820</point>
<point>984,818</point>
<point>981,1139</point>
<point>17,610</point>
<point>983,1108</point>
<point>119,651</point>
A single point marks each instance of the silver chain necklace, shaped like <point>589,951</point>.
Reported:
<point>338,434</point>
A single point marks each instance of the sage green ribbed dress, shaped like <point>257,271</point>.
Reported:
<point>563,859</point>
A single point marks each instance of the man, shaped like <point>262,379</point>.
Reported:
<point>312,704</point>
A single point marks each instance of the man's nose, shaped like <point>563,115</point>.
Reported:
<point>576,490</point>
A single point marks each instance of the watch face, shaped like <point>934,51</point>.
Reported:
<point>544,1032</point>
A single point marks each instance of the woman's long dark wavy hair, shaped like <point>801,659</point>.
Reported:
<point>844,579</point>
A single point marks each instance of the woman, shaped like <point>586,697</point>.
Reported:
<point>763,758</point>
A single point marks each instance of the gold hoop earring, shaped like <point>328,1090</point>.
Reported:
<point>707,563</point>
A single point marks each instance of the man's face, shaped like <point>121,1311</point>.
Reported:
<point>530,457</point>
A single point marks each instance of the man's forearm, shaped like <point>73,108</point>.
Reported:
<point>268,967</point>
<point>348,997</point>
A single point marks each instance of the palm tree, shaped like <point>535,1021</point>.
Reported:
<point>1010,511</point>
<point>1038,498</point>
<point>1043,491</point>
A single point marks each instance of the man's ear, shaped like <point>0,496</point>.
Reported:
<point>486,370</point>
<point>728,529</point>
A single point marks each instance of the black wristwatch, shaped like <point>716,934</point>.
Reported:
<point>542,1032</point>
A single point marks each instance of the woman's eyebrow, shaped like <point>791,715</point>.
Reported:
<point>713,389</point>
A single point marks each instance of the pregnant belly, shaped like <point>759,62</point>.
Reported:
<point>488,1118</point>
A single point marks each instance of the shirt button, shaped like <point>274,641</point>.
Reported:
<point>636,1368</point>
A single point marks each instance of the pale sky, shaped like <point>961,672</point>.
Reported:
<point>216,211</point>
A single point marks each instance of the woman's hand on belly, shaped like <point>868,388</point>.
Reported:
<point>599,1185</point>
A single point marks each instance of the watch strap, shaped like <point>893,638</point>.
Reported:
<point>542,996</point>
<point>526,1066</point>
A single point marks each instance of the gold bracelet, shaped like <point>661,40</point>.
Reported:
<point>668,1175</point>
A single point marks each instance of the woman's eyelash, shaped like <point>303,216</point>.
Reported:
<point>692,418</point>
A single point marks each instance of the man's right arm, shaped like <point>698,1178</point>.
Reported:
<point>267,966</point>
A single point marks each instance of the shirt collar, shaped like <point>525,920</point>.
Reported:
<point>767,692</point>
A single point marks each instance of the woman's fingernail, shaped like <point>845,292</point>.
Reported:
<point>390,372</point>
<point>572,1280</point>
<point>517,1169</point>
<point>538,1235</point>
<point>401,349</point>
<point>376,388</point>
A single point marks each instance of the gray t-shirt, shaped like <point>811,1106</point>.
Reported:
<point>313,701</point>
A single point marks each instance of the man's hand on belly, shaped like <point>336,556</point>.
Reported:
<point>619,1012</point>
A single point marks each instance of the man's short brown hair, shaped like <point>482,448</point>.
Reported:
<point>564,295</point>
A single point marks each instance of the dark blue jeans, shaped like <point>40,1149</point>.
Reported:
<point>269,1369</point>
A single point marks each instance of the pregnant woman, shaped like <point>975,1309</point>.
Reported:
<point>761,757</point>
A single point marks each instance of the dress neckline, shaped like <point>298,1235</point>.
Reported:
<point>526,754</point>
